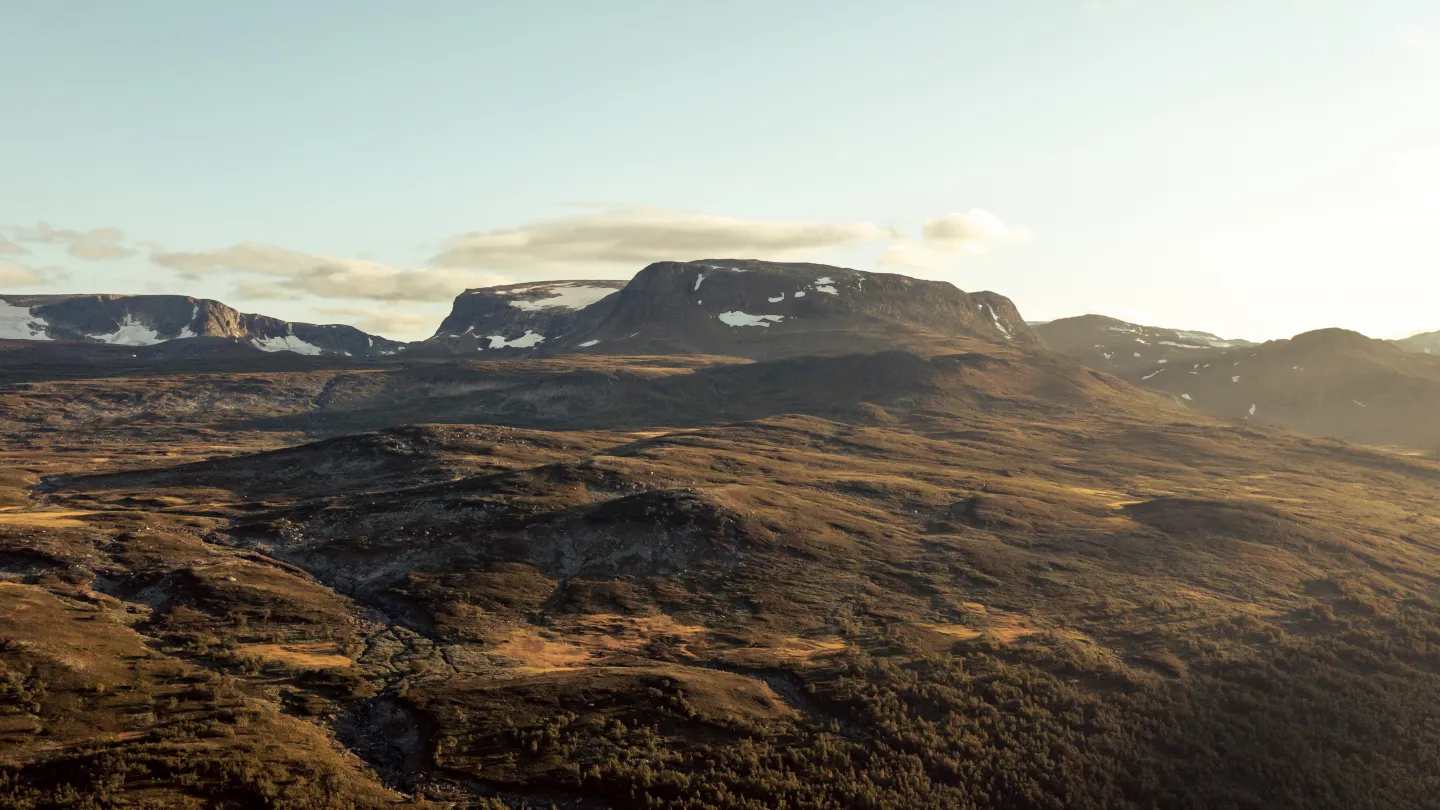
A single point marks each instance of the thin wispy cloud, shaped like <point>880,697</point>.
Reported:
<point>96,244</point>
<point>947,238</point>
<point>21,275</point>
<point>601,241</point>
<point>631,238</point>
<point>293,274</point>
<point>8,248</point>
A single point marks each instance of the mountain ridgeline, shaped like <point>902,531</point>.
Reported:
<point>149,320</point>
<point>1327,382</point>
<point>732,307</point>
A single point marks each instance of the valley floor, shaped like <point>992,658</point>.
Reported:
<point>979,581</point>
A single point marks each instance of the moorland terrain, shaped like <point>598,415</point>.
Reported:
<point>816,552</point>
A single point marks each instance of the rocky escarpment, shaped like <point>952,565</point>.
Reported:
<point>524,316</point>
<point>148,320</point>
<point>733,307</point>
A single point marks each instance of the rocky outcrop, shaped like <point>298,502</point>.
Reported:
<point>148,320</point>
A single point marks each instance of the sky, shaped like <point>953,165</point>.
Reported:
<point>1253,168</point>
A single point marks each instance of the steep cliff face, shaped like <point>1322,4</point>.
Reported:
<point>148,320</point>
<point>728,306</point>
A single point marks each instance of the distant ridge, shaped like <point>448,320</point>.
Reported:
<point>1327,382</point>
<point>149,320</point>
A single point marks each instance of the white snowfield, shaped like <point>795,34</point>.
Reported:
<point>776,300</point>
<point>17,323</point>
<point>587,344</point>
<point>529,340</point>
<point>285,343</point>
<point>565,296</point>
<point>738,318</point>
<point>132,332</point>
<point>1208,339</point>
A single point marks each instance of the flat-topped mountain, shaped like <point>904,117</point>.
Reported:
<point>148,320</point>
<point>733,307</point>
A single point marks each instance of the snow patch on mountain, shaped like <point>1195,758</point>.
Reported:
<point>17,323</point>
<point>132,332</point>
<point>738,318</point>
<point>995,319</point>
<point>565,296</point>
<point>285,343</point>
<point>529,340</point>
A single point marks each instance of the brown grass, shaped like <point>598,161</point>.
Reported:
<point>42,519</point>
<point>311,655</point>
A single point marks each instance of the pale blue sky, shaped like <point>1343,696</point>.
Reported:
<point>1254,168</point>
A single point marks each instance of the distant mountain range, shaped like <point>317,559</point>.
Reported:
<point>149,320</point>
<point>733,307</point>
<point>1424,343</point>
<point>1330,382</point>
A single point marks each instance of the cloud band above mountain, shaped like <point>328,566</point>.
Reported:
<point>20,275</point>
<point>638,236</point>
<point>948,237</point>
<point>605,243</point>
<point>96,244</point>
<point>296,273</point>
